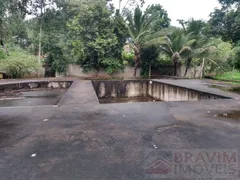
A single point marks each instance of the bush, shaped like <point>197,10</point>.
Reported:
<point>231,75</point>
<point>2,54</point>
<point>111,65</point>
<point>19,63</point>
<point>128,58</point>
<point>57,60</point>
<point>149,56</point>
<point>236,57</point>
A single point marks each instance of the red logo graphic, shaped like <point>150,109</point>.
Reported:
<point>159,166</point>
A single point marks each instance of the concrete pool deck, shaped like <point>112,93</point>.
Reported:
<point>82,139</point>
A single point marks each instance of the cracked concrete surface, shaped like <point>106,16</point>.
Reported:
<point>83,139</point>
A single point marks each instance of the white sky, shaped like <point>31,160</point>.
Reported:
<point>184,9</point>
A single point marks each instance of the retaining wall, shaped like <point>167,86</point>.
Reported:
<point>75,70</point>
<point>157,90</point>
<point>121,89</point>
<point>35,85</point>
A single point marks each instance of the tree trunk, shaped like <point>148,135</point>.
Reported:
<point>194,72</point>
<point>40,39</point>
<point>189,60</point>
<point>135,69</point>
<point>232,74</point>
<point>203,64</point>
<point>4,47</point>
<point>176,61</point>
<point>175,69</point>
<point>39,50</point>
<point>150,71</point>
<point>136,58</point>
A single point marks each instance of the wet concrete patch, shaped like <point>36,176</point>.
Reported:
<point>7,126</point>
<point>231,115</point>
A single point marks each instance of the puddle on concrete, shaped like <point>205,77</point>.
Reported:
<point>31,98</point>
<point>232,115</point>
<point>126,100</point>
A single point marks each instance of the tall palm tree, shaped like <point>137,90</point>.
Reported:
<point>203,53</point>
<point>195,27</point>
<point>138,28</point>
<point>176,45</point>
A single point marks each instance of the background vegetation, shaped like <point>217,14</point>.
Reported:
<point>93,34</point>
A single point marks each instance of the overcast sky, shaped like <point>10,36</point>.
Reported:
<point>184,9</point>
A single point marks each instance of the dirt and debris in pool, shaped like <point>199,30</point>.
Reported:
<point>127,100</point>
<point>31,98</point>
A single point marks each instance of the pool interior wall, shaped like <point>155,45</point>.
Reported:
<point>148,88</point>
<point>36,93</point>
<point>33,85</point>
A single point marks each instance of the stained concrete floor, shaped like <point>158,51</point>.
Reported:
<point>82,139</point>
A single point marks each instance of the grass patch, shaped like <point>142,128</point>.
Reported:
<point>229,76</point>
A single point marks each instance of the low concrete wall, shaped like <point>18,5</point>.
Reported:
<point>156,90</point>
<point>35,85</point>
<point>167,92</point>
<point>168,70</point>
<point>34,74</point>
<point>75,70</point>
<point>121,89</point>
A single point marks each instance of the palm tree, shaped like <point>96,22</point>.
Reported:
<point>138,28</point>
<point>176,44</point>
<point>195,27</point>
<point>203,53</point>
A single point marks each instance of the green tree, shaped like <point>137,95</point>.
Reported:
<point>197,30</point>
<point>228,2</point>
<point>215,56</point>
<point>55,40</point>
<point>177,44</point>
<point>149,55</point>
<point>53,47</point>
<point>14,10</point>
<point>139,27</point>
<point>19,63</point>
<point>160,17</point>
<point>223,56</point>
<point>226,23</point>
<point>38,7</point>
<point>125,6</point>
<point>94,39</point>
<point>236,57</point>
<point>201,55</point>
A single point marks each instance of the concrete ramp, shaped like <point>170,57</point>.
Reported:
<point>80,92</point>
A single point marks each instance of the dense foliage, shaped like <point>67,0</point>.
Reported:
<point>19,63</point>
<point>95,44</point>
<point>93,34</point>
